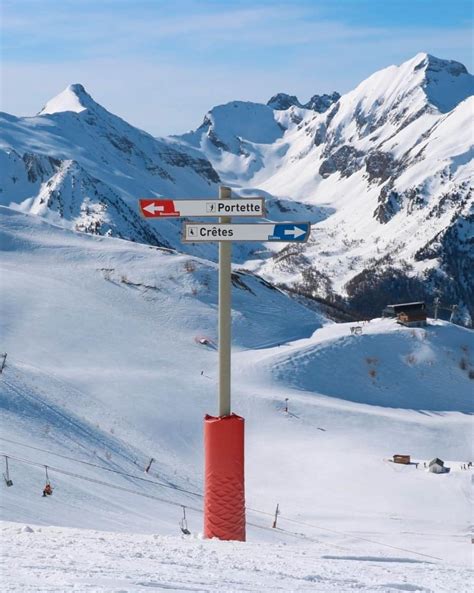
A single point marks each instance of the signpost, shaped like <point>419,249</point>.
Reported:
<point>176,208</point>
<point>224,491</point>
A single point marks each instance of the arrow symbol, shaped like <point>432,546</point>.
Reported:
<point>152,208</point>
<point>295,232</point>
<point>284,231</point>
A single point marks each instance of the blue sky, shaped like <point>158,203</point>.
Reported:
<point>162,64</point>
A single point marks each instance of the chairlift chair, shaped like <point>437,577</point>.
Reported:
<point>6,475</point>
<point>183,524</point>
<point>48,489</point>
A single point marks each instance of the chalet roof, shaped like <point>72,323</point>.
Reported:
<point>406,306</point>
<point>437,461</point>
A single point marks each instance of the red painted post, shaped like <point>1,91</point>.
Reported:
<point>224,491</point>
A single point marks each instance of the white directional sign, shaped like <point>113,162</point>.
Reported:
<point>166,208</point>
<point>281,231</point>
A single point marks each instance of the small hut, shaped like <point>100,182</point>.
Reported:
<point>436,466</point>
<point>405,459</point>
<point>412,319</point>
<point>409,314</point>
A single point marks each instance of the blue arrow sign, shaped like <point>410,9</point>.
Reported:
<point>290,232</point>
<point>267,231</point>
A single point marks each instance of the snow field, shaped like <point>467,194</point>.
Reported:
<point>52,559</point>
<point>124,384</point>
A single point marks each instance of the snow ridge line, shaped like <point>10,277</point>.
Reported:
<point>198,510</point>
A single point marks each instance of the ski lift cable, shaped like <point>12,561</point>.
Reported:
<point>299,535</point>
<point>52,408</point>
<point>176,504</point>
<point>313,526</point>
<point>124,473</point>
<point>128,475</point>
<point>95,481</point>
<point>62,415</point>
<point>59,380</point>
<point>282,516</point>
<point>107,469</point>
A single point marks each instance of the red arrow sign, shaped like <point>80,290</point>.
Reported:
<point>158,208</point>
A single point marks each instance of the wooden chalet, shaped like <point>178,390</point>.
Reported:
<point>405,459</point>
<point>436,466</point>
<point>409,314</point>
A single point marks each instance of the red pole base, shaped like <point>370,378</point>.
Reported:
<point>224,491</point>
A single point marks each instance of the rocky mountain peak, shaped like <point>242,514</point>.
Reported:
<point>318,103</point>
<point>282,101</point>
<point>432,64</point>
<point>445,82</point>
<point>321,103</point>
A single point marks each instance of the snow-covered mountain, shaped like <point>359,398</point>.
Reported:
<point>383,173</point>
<point>388,165</point>
<point>77,163</point>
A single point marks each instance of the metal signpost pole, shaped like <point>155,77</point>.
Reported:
<point>224,331</point>
<point>224,480</point>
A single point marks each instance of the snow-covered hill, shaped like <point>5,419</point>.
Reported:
<point>104,372</point>
<point>383,173</point>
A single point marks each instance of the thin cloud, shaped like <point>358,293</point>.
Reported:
<point>163,68</point>
<point>96,30</point>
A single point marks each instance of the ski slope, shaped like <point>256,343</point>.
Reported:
<point>104,372</point>
<point>75,383</point>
